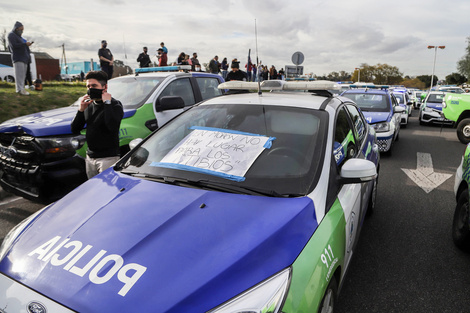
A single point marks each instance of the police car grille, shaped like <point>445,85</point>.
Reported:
<point>18,152</point>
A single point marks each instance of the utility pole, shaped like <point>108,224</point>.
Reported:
<point>64,59</point>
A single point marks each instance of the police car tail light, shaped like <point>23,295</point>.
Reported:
<point>268,296</point>
<point>281,85</point>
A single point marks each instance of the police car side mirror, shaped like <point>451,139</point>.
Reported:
<point>356,171</point>
<point>398,109</point>
<point>170,103</point>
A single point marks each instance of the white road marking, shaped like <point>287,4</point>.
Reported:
<point>424,175</point>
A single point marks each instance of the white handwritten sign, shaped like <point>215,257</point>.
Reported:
<point>215,151</point>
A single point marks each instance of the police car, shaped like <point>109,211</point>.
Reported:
<point>405,102</point>
<point>249,202</point>
<point>461,221</point>
<point>430,111</point>
<point>382,111</point>
<point>40,158</point>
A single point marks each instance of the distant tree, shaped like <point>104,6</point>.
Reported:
<point>385,74</point>
<point>413,83</point>
<point>456,79</point>
<point>463,65</point>
<point>426,79</point>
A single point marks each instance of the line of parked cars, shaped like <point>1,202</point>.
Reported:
<point>248,202</point>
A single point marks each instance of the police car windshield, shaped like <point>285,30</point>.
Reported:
<point>369,101</point>
<point>435,97</point>
<point>132,91</point>
<point>280,148</point>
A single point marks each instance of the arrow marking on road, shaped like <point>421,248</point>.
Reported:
<point>424,175</point>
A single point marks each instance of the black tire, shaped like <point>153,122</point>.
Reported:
<point>463,130</point>
<point>460,224</point>
<point>328,302</point>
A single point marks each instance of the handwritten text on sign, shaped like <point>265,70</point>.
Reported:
<point>219,152</point>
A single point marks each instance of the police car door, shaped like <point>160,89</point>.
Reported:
<point>178,88</point>
<point>350,195</point>
<point>396,118</point>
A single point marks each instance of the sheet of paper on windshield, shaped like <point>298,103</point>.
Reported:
<point>214,151</point>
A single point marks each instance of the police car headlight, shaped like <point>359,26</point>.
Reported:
<point>267,296</point>
<point>382,127</point>
<point>15,232</point>
<point>60,146</point>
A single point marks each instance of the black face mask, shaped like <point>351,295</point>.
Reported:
<point>95,93</point>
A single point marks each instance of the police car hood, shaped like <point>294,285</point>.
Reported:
<point>193,248</point>
<point>376,117</point>
<point>47,123</point>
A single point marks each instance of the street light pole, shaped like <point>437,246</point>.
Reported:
<point>434,65</point>
<point>359,74</point>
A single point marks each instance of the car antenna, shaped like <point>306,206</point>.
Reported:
<point>257,62</point>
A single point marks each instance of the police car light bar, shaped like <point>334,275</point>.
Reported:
<point>281,85</point>
<point>163,69</point>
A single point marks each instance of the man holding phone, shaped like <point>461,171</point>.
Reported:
<point>102,115</point>
<point>20,56</point>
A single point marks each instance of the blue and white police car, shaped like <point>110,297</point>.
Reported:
<point>382,111</point>
<point>243,203</point>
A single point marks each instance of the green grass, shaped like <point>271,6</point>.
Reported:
<point>54,95</point>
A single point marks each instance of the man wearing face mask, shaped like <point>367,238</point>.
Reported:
<point>106,59</point>
<point>20,56</point>
<point>102,115</point>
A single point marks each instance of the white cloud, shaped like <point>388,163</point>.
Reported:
<point>333,35</point>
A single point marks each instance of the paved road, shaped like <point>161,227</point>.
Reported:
<point>405,260</point>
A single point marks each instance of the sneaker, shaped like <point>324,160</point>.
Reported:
<point>24,93</point>
<point>26,87</point>
<point>32,87</point>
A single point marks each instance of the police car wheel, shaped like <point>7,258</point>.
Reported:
<point>328,302</point>
<point>460,225</point>
<point>463,131</point>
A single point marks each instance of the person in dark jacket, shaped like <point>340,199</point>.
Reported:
<point>144,59</point>
<point>236,73</point>
<point>102,115</point>
<point>20,56</point>
<point>106,59</point>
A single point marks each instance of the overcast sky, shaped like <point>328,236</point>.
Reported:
<point>334,35</point>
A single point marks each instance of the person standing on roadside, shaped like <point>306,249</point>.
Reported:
<point>224,67</point>
<point>236,73</point>
<point>102,115</point>
<point>164,49</point>
<point>214,66</point>
<point>106,59</point>
<point>144,59</point>
<point>195,65</point>
<point>20,56</point>
<point>162,58</point>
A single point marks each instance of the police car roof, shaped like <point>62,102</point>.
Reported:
<point>289,99</point>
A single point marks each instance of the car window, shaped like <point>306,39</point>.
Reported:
<point>131,91</point>
<point>289,166</point>
<point>369,101</point>
<point>344,144</point>
<point>182,88</point>
<point>358,122</point>
<point>433,97</point>
<point>208,87</point>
